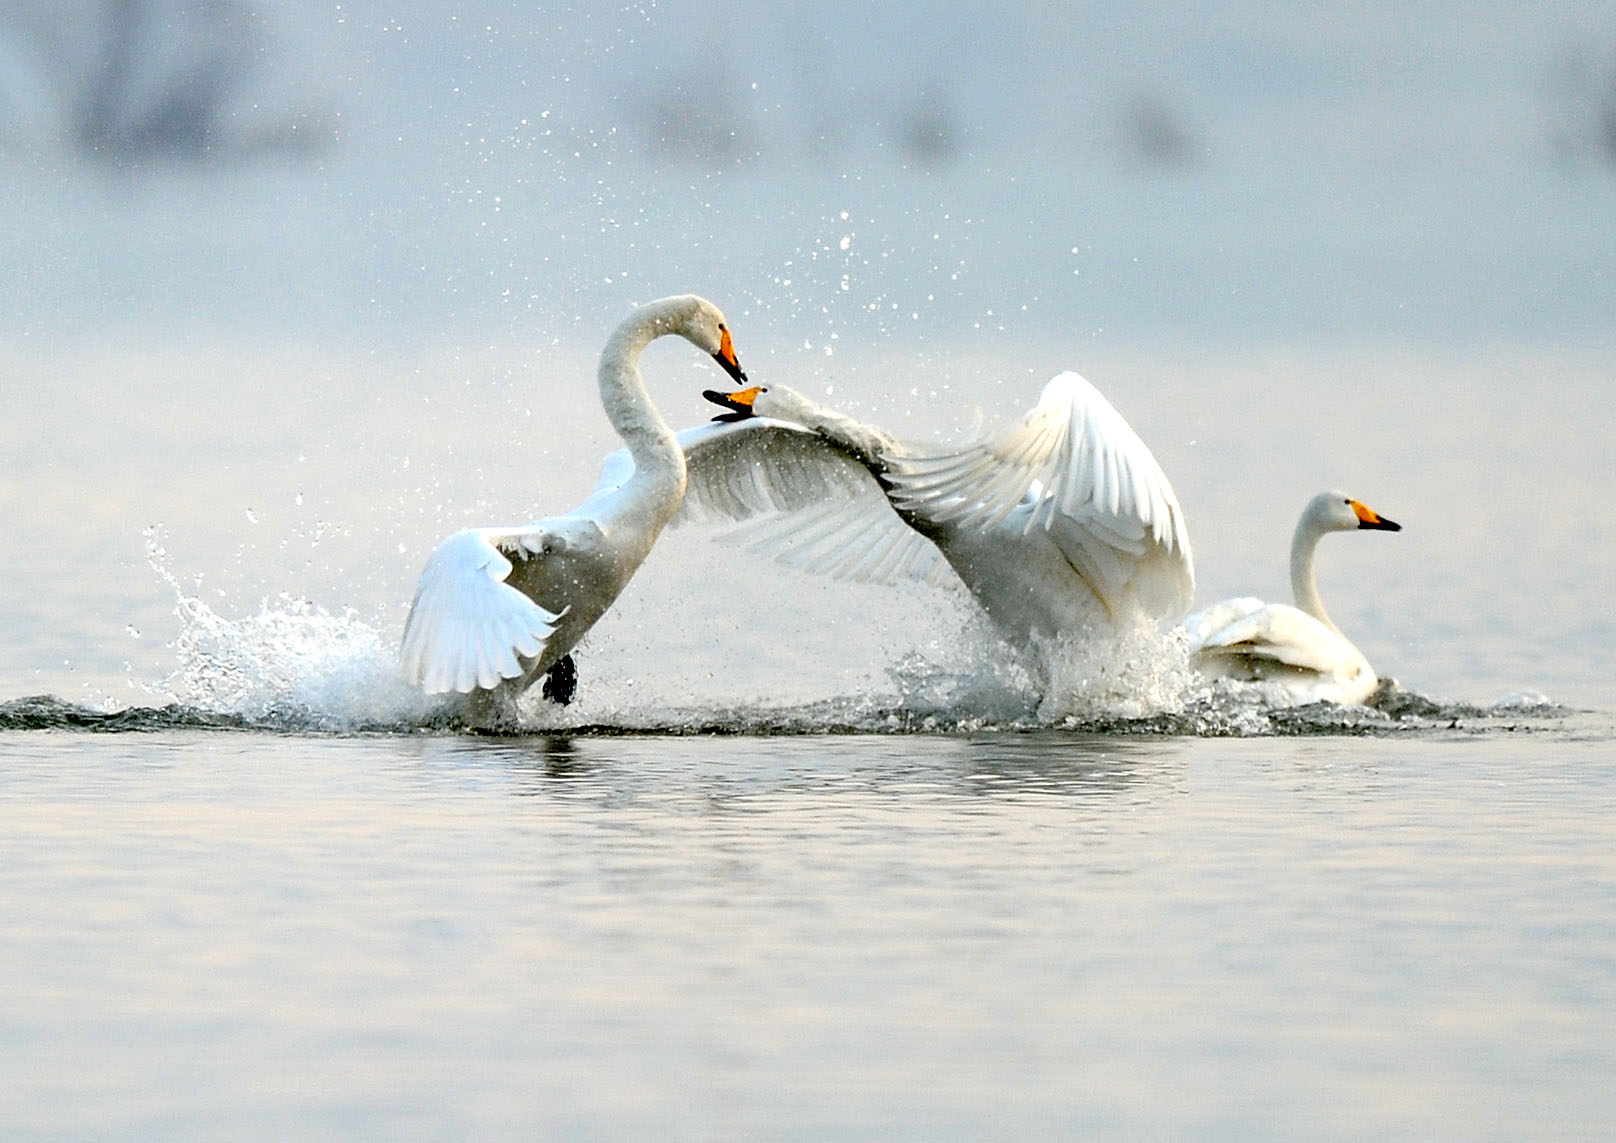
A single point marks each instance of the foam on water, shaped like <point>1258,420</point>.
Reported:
<point>291,664</point>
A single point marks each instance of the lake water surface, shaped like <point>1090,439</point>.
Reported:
<point>227,935</point>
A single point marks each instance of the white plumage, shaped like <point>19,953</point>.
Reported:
<point>1061,509</point>
<point>498,607</point>
<point>473,624</point>
<point>1297,647</point>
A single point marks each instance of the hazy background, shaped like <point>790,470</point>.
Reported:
<point>1229,171</point>
<point>306,284</point>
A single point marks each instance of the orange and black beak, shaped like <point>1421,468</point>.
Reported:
<point>726,356</point>
<point>1369,518</point>
<point>738,404</point>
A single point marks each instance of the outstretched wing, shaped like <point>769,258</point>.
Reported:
<point>1074,467</point>
<point>861,543</point>
<point>803,500</point>
<point>741,469</point>
<point>467,625</point>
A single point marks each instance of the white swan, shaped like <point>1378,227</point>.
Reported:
<point>498,607</point>
<point>1297,647</point>
<point>1065,507</point>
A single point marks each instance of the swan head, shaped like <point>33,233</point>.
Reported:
<point>740,405</point>
<point>1338,512</point>
<point>702,324</point>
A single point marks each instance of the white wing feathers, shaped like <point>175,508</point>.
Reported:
<point>1275,631</point>
<point>1073,448</point>
<point>467,625</point>
<point>741,469</point>
<point>803,501</point>
<point>1075,468</point>
<point>1207,622</point>
<point>799,499</point>
<point>864,543</point>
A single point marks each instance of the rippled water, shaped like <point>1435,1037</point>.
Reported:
<point>229,935</point>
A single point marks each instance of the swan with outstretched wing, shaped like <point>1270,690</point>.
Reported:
<point>1065,508</point>
<point>498,608</point>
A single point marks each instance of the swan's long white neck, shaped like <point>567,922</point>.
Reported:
<point>1303,585</point>
<point>628,406</point>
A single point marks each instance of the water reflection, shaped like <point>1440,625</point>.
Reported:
<point>974,919</point>
<point>550,758</point>
<point>1053,763</point>
<point>528,766</point>
<point>732,774</point>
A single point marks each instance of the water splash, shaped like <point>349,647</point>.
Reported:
<point>296,667</point>
<point>1128,671</point>
<point>292,664</point>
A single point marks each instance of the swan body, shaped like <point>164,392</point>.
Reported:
<point>498,607</point>
<point>1298,647</point>
<point>1064,508</point>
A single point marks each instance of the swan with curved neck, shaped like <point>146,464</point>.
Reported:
<point>1298,647</point>
<point>497,608</point>
<point>1065,509</point>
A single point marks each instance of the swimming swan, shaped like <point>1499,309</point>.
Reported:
<point>498,607</point>
<point>1064,507</point>
<point>1298,647</point>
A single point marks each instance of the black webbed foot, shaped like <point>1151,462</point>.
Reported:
<point>561,681</point>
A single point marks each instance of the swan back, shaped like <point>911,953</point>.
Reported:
<point>1275,643</point>
<point>865,442</point>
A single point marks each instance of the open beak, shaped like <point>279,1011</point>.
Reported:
<point>727,359</point>
<point>1369,518</point>
<point>739,404</point>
